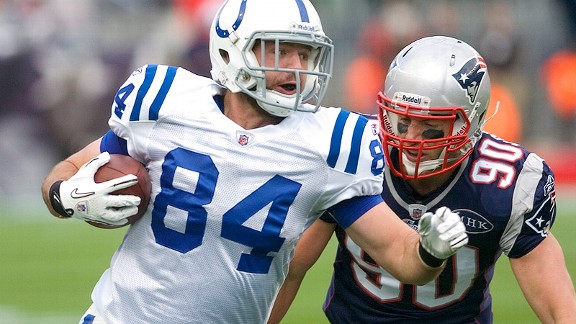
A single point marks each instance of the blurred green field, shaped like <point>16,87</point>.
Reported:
<point>48,268</point>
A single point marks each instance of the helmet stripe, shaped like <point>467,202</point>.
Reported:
<point>303,11</point>
<point>225,33</point>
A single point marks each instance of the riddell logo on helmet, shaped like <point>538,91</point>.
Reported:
<point>302,27</point>
<point>462,131</point>
<point>411,99</point>
<point>387,125</point>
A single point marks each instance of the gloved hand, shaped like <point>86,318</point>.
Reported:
<point>441,234</point>
<point>80,197</point>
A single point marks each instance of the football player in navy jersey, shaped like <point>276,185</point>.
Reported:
<point>240,165</point>
<point>431,117</point>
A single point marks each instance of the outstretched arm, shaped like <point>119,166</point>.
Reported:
<point>307,252</point>
<point>546,283</point>
<point>410,256</point>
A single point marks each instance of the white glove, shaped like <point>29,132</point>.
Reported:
<point>80,197</point>
<point>442,233</point>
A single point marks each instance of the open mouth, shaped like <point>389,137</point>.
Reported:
<point>287,88</point>
<point>411,155</point>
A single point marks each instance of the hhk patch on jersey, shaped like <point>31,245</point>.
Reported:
<point>470,76</point>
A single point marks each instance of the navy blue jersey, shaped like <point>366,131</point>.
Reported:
<point>505,197</point>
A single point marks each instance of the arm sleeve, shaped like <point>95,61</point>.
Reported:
<point>533,208</point>
<point>113,144</point>
<point>348,211</point>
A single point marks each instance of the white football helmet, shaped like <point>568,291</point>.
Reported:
<point>438,78</point>
<point>236,28</point>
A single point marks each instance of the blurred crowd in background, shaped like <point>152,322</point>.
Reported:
<point>61,62</point>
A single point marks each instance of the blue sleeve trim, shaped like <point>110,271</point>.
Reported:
<point>326,217</point>
<point>348,211</point>
<point>113,144</point>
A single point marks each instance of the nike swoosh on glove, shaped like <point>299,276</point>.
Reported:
<point>80,197</point>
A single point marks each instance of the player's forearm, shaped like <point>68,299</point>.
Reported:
<point>546,283</point>
<point>62,171</point>
<point>413,268</point>
<point>393,245</point>
<point>66,169</point>
<point>284,299</point>
<point>559,305</point>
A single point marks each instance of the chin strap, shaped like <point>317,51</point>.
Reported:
<point>491,116</point>
<point>431,165</point>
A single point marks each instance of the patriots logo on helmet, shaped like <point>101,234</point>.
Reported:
<point>470,77</point>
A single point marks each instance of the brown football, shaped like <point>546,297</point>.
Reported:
<point>118,166</point>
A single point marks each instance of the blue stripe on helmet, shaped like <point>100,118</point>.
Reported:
<point>225,33</point>
<point>303,11</point>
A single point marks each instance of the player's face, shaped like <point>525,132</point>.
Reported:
<point>412,128</point>
<point>290,56</point>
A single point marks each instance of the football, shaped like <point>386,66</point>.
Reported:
<point>118,166</point>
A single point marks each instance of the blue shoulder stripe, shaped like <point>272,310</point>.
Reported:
<point>355,144</point>
<point>159,100</point>
<point>352,165</point>
<point>148,78</point>
<point>336,140</point>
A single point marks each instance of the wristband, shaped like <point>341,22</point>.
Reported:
<point>54,194</point>
<point>428,258</point>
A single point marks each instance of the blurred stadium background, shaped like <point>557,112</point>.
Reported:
<point>61,61</point>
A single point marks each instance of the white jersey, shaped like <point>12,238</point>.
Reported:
<point>228,204</point>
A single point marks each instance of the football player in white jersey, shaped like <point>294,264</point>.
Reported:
<point>431,116</point>
<point>240,165</point>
